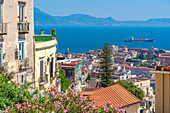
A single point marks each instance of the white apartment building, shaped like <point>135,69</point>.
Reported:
<point>16,38</point>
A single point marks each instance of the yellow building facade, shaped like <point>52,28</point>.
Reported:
<point>45,59</point>
<point>162,90</point>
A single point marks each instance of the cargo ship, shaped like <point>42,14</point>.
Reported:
<point>140,40</point>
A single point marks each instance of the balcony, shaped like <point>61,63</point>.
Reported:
<point>43,82</point>
<point>24,64</point>
<point>3,28</point>
<point>23,27</point>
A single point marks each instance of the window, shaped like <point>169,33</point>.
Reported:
<point>41,70</point>
<point>21,12</point>
<point>140,84</point>
<point>21,50</point>
<point>51,67</point>
<point>22,78</point>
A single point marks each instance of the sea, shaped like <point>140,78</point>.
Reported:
<point>83,39</point>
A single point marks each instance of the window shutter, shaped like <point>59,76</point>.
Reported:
<point>41,68</point>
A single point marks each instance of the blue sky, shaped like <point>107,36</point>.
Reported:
<point>117,9</point>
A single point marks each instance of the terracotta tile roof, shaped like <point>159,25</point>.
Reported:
<point>115,94</point>
<point>139,67</point>
<point>91,51</point>
<point>86,93</point>
<point>125,65</point>
<point>96,65</point>
<point>164,56</point>
<point>94,59</point>
<point>115,66</point>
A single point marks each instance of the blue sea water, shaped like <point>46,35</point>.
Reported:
<point>83,39</point>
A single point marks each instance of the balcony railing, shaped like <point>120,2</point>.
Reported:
<point>23,27</point>
<point>3,28</point>
<point>23,64</point>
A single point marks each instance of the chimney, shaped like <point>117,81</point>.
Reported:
<point>42,31</point>
<point>53,32</point>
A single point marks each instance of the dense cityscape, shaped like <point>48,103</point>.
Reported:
<point>36,78</point>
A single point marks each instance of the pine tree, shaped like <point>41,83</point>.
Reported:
<point>106,64</point>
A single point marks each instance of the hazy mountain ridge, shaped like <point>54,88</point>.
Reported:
<point>44,19</point>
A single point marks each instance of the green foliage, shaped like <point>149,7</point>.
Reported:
<point>141,56</point>
<point>10,91</point>
<point>65,82</point>
<point>144,64</point>
<point>131,88</point>
<point>129,60</point>
<point>135,64</point>
<point>106,64</point>
<point>15,98</point>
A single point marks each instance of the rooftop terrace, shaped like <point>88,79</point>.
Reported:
<point>45,37</point>
<point>163,68</point>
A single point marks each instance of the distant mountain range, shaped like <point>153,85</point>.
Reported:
<point>43,19</point>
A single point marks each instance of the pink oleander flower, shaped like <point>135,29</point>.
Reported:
<point>21,110</point>
<point>61,99</point>
<point>123,111</point>
<point>33,107</point>
<point>68,98</point>
<point>81,96</point>
<point>52,93</point>
<point>18,106</point>
<point>36,98</point>
<point>29,105</point>
<point>118,110</point>
<point>24,107</point>
<point>93,107</point>
<point>26,100</point>
<point>64,111</point>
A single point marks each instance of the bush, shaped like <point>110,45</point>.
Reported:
<point>16,98</point>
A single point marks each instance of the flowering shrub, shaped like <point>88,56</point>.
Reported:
<point>19,100</point>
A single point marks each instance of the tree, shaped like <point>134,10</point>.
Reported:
<point>131,88</point>
<point>141,56</point>
<point>144,64</point>
<point>65,82</point>
<point>106,64</point>
<point>135,64</point>
<point>129,60</point>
